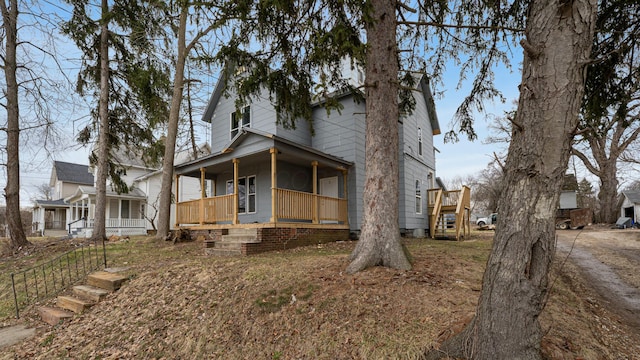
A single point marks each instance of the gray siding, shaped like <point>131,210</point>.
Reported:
<point>413,165</point>
<point>343,135</point>
<point>413,171</point>
<point>263,117</point>
<point>301,134</point>
<point>263,190</point>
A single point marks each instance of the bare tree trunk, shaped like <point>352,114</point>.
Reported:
<point>380,237</point>
<point>12,190</point>
<point>514,289</point>
<point>164,216</point>
<point>99,226</point>
<point>608,193</point>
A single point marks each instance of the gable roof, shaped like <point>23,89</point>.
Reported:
<point>423,87</point>
<point>633,196</point>
<point>71,173</point>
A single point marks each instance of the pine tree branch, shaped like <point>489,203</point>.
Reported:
<point>452,26</point>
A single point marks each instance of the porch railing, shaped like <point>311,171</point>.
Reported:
<point>290,205</point>
<point>295,205</point>
<point>51,277</point>
<point>214,209</point>
<point>125,223</point>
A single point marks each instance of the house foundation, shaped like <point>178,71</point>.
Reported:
<point>268,239</point>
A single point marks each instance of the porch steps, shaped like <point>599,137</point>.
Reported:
<point>241,236</point>
<point>99,284</point>
<point>231,243</point>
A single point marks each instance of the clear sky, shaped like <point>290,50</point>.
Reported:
<point>465,157</point>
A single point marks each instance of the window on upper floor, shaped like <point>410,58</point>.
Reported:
<point>419,141</point>
<point>240,119</point>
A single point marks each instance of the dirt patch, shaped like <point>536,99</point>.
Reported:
<point>608,260</point>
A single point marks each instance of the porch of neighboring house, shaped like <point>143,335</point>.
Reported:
<point>278,198</point>
<point>50,218</point>
<point>123,213</point>
<point>449,213</point>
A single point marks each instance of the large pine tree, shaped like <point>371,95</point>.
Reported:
<point>124,69</point>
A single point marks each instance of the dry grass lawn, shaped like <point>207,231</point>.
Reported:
<point>299,304</point>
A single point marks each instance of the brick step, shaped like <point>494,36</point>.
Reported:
<point>76,305</point>
<point>240,238</point>
<point>53,316</point>
<point>89,292</point>
<point>222,252</point>
<point>106,280</point>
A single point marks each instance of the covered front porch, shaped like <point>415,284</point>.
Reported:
<point>124,213</point>
<point>266,183</point>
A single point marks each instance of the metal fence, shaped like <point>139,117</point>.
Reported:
<point>50,278</point>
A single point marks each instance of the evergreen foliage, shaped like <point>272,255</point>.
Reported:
<point>139,77</point>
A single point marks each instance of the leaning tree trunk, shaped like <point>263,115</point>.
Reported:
<point>164,214</point>
<point>12,189</point>
<point>99,228</point>
<point>380,236</point>
<point>608,193</point>
<point>514,289</point>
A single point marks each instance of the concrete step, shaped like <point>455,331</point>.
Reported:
<point>106,280</point>
<point>222,252</point>
<point>228,245</point>
<point>240,238</point>
<point>53,316</point>
<point>76,305</point>
<point>243,231</point>
<point>90,292</point>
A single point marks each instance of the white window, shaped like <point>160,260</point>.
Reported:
<point>240,119</point>
<point>419,141</point>
<point>418,198</point>
<point>246,194</point>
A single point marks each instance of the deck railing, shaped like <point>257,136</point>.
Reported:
<point>290,205</point>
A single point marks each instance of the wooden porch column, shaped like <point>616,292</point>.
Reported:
<point>235,191</point>
<point>344,183</point>
<point>202,194</point>
<point>274,185</point>
<point>177,198</point>
<point>314,213</point>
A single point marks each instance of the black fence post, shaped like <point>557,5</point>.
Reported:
<point>15,296</point>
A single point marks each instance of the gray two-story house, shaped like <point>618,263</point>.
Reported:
<point>276,188</point>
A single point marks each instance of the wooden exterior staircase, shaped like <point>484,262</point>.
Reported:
<point>449,213</point>
<point>98,285</point>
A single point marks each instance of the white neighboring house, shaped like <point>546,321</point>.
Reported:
<point>132,213</point>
